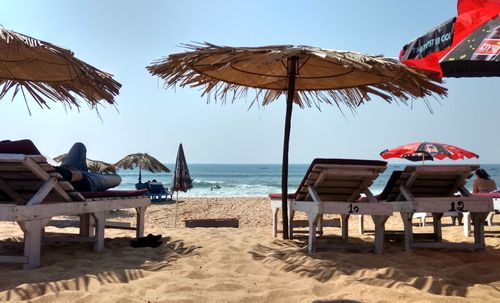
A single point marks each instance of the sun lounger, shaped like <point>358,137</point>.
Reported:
<point>157,192</point>
<point>333,186</point>
<point>436,189</point>
<point>32,192</point>
<point>489,219</point>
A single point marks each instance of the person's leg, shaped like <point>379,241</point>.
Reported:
<point>102,182</point>
<point>76,157</point>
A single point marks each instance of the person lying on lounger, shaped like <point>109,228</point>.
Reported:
<point>74,169</point>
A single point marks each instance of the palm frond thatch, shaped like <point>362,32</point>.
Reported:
<point>143,161</point>
<point>95,166</point>
<point>49,72</point>
<point>323,76</point>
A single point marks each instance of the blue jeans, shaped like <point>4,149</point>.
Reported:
<point>77,158</point>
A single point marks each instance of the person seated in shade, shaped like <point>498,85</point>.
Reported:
<point>74,169</point>
<point>483,183</point>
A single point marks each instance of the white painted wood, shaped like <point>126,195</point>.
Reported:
<point>13,259</point>
<point>32,242</point>
<point>444,204</point>
<point>141,211</point>
<point>343,208</point>
<point>42,193</point>
<point>379,222</point>
<point>100,218</point>
<point>311,245</point>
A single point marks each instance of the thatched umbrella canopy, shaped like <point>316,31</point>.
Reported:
<point>95,166</point>
<point>49,72</point>
<point>141,160</point>
<point>308,76</point>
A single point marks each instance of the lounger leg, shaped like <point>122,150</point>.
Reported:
<point>489,218</point>
<point>291,214</point>
<point>32,241</point>
<point>274,209</point>
<point>407,222</point>
<point>320,225</point>
<point>361,226</point>
<point>345,227</point>
<point>141,211</point>
<point>478,219</point>
<point>86,226</point>
<point>100,218</point>
<point>379,222</point>
<point>313,221</point>
<point>466,221</point>
<point>436,221</point>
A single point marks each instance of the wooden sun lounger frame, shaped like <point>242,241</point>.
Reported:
<point>309,201</point>
<point>407,204</point>
<point>48,195</point>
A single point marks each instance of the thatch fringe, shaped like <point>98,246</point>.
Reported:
<point>143,161</point>
<point>82,80</point>
<point>208,66</point>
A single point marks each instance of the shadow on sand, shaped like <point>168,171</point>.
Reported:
<point>118,263</point>
<point>443,271</point>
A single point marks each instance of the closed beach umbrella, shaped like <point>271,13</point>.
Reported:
<point>49,72</point>
<point>465,46</point>
<point>182,180</point>
<point>421,151</point>
<point>94,166</point>
<point>143,161</point>
<point>308,76</point>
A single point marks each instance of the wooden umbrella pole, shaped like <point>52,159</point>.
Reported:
<point>176,199</point>
<point>292,68</point>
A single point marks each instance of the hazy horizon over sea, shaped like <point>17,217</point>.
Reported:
<point>253,180</point>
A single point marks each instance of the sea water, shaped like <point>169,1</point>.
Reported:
<point>254,180</point>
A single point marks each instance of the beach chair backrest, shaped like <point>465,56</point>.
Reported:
<point>29,179</point>
<point>156,188</point>
<point>428,181</point>
<point>339,179</point>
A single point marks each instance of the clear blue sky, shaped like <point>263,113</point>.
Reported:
<point>124,36</point>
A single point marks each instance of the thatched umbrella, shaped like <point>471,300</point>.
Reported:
<point>307,75</point>
<point>141,160</point>
<point>49,72</point>
<point>95,166</point>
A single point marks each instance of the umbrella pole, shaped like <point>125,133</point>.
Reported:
<point>140,176</point>
<point>292,68</point>
<point>176,199</point>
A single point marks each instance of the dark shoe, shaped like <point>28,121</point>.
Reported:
<point>153,237</point>
<point>149,241</point>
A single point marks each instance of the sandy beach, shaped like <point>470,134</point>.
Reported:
<point>246,264</point>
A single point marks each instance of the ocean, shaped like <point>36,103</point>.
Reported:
<point>253,180</point>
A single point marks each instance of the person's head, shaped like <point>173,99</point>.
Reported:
<point>481,173</point>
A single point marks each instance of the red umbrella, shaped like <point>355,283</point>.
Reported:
<point>465,46</point>
<point>427,151</point>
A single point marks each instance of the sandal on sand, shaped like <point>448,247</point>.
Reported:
<point>149,241</point>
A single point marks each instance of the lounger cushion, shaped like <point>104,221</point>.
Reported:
<point>277,196</point>
<point>25,147</point>
<point>114,193</point>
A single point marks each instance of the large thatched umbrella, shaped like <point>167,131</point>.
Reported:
<point>141,160</point>
<point>95,166</point>
<point>49,72</point>
<point>307,75</point>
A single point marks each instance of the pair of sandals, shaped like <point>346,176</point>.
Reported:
<point>148,241</point>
